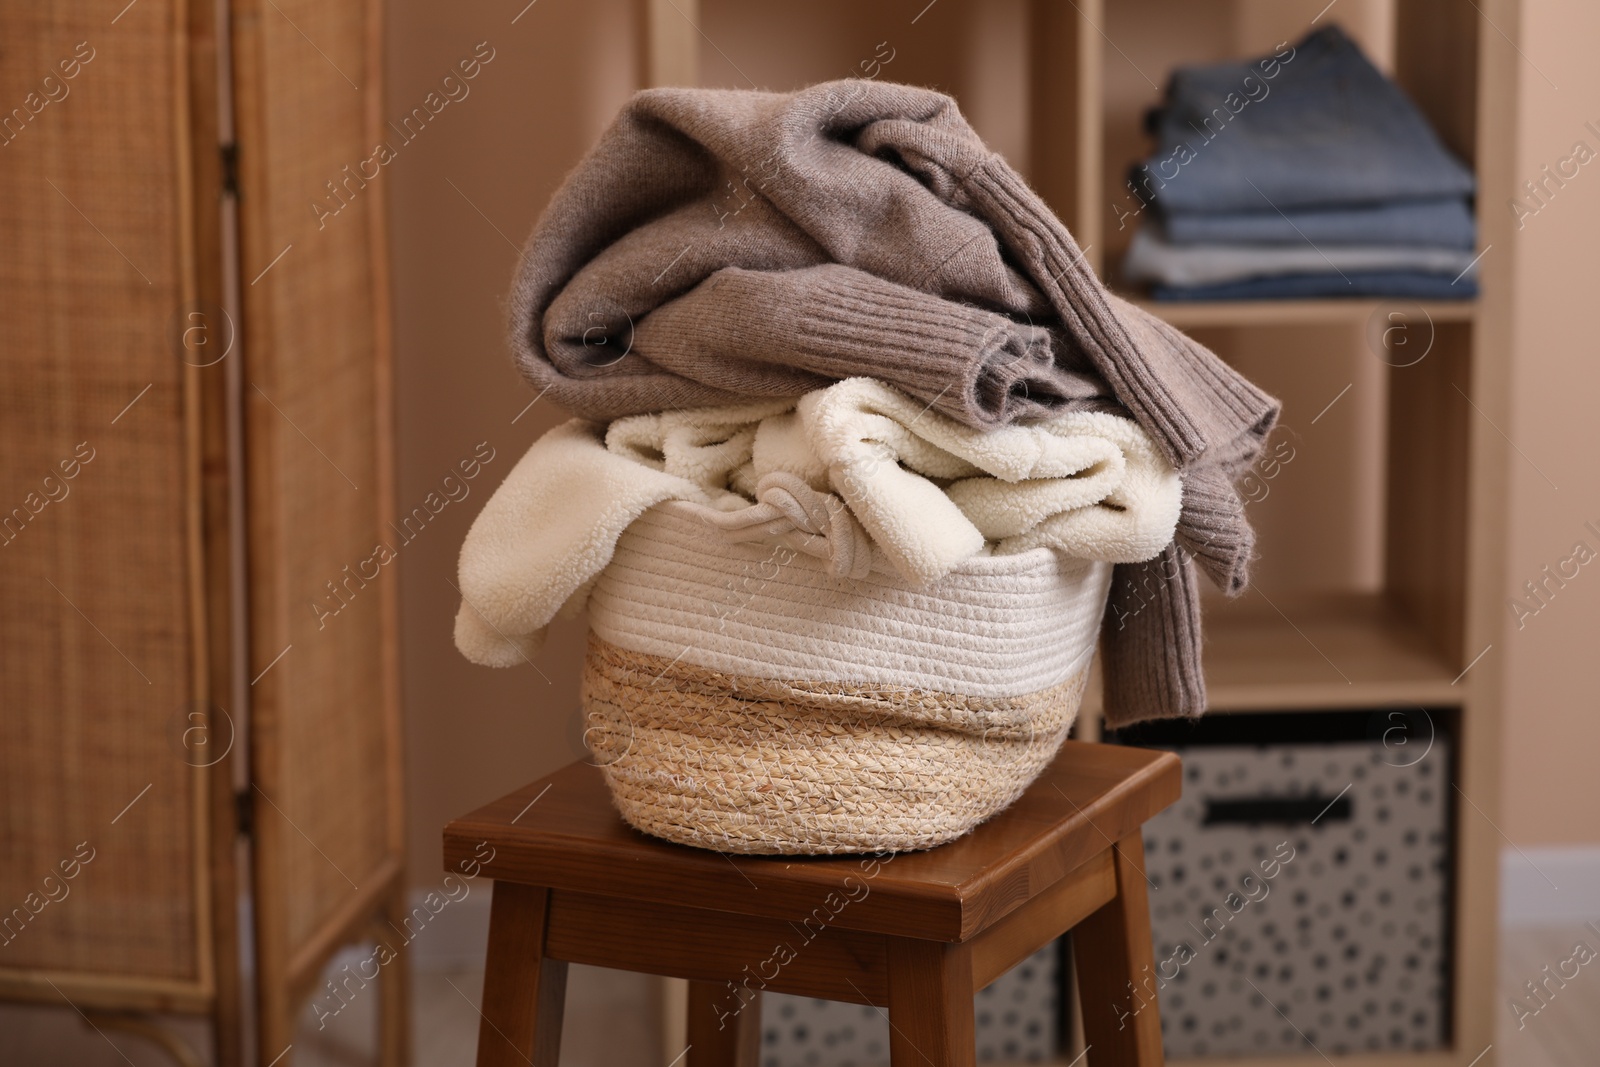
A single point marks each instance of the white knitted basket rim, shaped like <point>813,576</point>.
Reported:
<point>997,626</point>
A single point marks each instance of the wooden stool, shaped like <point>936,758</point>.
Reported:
<point>915,933</point>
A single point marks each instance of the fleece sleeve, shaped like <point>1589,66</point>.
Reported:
<point>545,534</point>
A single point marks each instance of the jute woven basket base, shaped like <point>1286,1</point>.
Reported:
<point>751,765</point>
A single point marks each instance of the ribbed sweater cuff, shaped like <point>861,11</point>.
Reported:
<point>1150,642</point>
<point>1213,529</point>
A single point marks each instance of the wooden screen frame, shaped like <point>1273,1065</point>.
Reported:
<point>286,974</point>
<point>212,823</point>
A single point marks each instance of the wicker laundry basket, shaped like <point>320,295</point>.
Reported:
<point>739,697</point>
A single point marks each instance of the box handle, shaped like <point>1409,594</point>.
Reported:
<point>1289,810</point>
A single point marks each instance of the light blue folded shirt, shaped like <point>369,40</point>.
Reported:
<point>1153,259</point>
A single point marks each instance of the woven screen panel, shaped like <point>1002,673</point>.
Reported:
<point>316,498</point>
<point>96,643</point>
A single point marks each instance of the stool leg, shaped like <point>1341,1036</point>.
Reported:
<point>718,1037</point>
<point>930,1004</point>
<point>523,991</point>
<point>1116,983</point>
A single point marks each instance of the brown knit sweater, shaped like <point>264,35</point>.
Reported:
<point>719,245</point>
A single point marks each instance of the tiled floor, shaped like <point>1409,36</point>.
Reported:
<point>1565,1031</point>
<point>612,1019</point>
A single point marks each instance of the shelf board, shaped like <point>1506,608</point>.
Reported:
<point>1319,652</point>
<point>1187,315</point>
<point>1316,653</point>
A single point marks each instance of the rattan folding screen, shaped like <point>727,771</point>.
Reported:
<point>196,433</point>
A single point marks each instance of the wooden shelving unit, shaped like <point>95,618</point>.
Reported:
<point>1420,631</point>
<point>1413,617</point>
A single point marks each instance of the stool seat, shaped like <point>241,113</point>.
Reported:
<point>916,933</point>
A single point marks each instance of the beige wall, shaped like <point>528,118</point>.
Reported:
<point>1552,781</point>
<point>557,77</point>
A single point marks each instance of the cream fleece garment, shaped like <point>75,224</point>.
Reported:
<point>858,474</point>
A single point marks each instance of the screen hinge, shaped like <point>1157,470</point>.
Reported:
<point>245,813</point>
<point>230,169</point>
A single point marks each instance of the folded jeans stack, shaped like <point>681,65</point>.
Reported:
<point>866,461</point>
<point>1305,173</point>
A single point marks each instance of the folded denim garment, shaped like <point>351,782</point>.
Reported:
<point>1444,223</point>
<point>1414,285</point>
<point>1152,258</point>
<point>1314,126</point>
